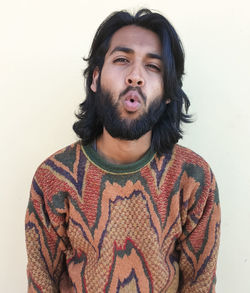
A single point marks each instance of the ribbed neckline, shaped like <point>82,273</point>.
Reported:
<point>101,163</point>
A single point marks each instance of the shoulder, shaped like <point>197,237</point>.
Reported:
<point>194,170</point>
<point>192,164</point>
<point>67,154</point>
<point>185,155</point>
<point>62,162</point>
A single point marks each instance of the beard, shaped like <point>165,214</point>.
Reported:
<point>126,128</point>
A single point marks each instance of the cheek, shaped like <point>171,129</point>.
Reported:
<point>111,79</point>
<point>155,87</point>
<point>160,87</point>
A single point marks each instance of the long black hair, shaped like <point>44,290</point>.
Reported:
<point>167,131</point>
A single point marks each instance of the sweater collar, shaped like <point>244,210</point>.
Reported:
<point>103,164</point>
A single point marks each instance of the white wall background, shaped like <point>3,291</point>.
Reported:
<point>41,85</point>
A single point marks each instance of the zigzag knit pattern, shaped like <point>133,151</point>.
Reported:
<point>152,226</point>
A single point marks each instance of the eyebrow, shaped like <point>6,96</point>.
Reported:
<point>131,51</point>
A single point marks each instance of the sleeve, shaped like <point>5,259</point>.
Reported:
<point>45,226</point>
<point>199,242</point>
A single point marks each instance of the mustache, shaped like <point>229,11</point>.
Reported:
<point>131,88</point>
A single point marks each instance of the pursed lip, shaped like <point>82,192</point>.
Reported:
<point>132,101</point>
<point>133,95</point>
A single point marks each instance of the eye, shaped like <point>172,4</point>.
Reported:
<point>154,67</point>
<point>121,60</point>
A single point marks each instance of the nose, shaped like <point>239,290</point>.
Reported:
<point>134,77</point>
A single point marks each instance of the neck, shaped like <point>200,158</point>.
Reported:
<point>120,151</point>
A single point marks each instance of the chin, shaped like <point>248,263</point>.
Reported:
<point>131,115</point>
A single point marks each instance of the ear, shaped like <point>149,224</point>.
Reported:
<point>94,79</point>
<point>168,101</point>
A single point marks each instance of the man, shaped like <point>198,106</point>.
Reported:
<point>126,209</point>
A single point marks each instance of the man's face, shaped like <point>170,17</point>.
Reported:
<point>132,74</point>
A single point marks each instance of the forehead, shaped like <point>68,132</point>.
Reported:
<point>136,38</point>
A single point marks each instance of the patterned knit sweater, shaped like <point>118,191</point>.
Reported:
<point>149,226</point>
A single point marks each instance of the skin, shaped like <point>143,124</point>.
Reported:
<point>133,59</point>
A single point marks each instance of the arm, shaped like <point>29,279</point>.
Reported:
<point>199,243</point>
<point>45,234</point>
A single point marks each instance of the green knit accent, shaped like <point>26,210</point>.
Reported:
<point>101,163</point>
